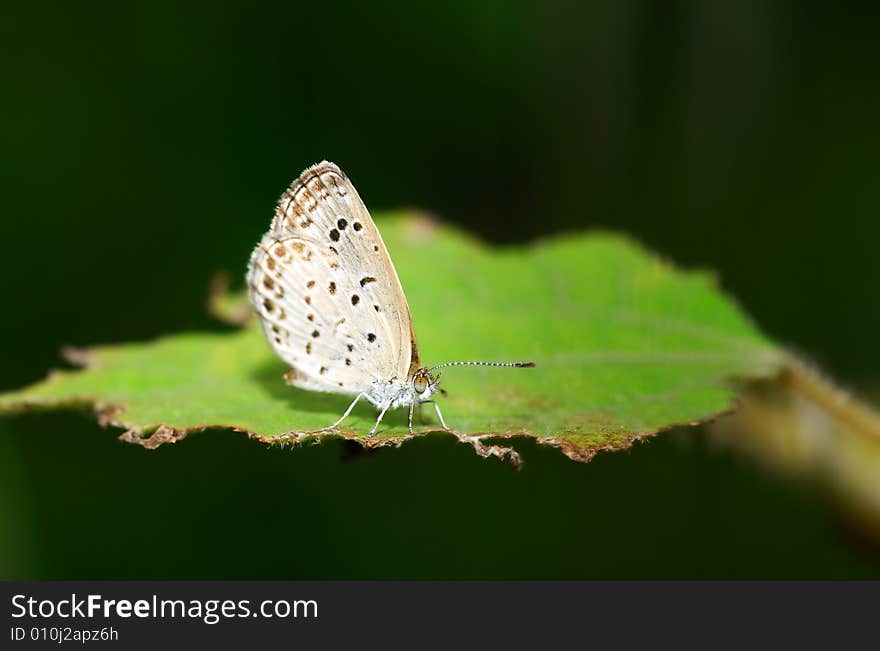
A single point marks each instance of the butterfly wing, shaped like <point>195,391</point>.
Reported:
<point>328,296</point>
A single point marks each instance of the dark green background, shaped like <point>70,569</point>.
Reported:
<point>145,144</point>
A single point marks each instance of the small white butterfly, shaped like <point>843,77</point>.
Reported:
<point>331,304</point>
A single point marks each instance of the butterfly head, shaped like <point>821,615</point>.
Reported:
<point>424,384</point>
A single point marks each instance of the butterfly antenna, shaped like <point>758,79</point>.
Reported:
<point>513,364</point>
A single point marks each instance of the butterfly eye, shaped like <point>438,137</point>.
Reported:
<point>420,384</point>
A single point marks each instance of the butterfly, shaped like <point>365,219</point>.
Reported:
<point>330,302</point>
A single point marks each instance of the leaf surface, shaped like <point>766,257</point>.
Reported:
<point>625,344</point>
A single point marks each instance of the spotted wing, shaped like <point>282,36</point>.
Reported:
<point>328,296</point>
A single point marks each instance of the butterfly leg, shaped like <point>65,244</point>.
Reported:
<point>347,411</point>
<point>411,407</point>
<point>439,415</point>
<point>381,416</point>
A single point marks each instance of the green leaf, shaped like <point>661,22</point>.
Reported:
<point>625,345</point>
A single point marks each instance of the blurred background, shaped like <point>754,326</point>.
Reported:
<point>146,143</point>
